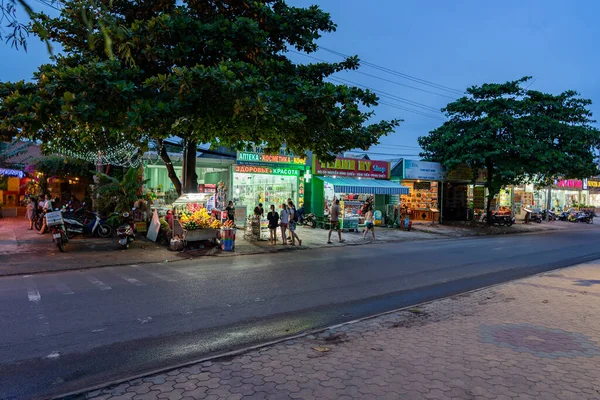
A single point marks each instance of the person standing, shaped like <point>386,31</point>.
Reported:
<point>259,211</point>
<point>273,218</point>
<point>46,207</point>
<point>230,211</point>
<point>284,217</point>
<point>30,213</point>
<point>293,221</point>
<point>369,223</point>
<point>335,221</point>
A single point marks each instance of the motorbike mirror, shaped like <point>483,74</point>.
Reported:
<point>125,214</point>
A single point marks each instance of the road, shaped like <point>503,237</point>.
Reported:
<point>65,331</point>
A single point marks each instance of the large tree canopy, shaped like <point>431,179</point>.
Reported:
<point>517,135</point>
<point>202,70</point>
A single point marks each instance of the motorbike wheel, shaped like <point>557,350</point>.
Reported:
<point>60,245</point>
<point>313,224</point>
<point>104,231</point>
<point>509,223</point>
<point>70,234</point>
<point>38,223</point>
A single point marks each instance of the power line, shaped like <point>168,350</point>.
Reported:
<point>377,77</point>
<point>391,96</point>
<point>410,110</point>
<point>403,75</point>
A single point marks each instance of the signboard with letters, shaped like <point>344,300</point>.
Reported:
<point>426,170</point>
<point>353,168</point>
<point>259,169</point>
<point>260,158</point>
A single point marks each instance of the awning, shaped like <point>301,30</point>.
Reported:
<point>365,186</point>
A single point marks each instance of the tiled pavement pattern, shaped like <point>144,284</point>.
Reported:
<point>538,338</point>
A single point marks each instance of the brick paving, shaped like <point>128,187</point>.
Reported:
<point>537,338</point>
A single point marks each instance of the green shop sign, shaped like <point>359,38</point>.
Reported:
<point>262,158</point>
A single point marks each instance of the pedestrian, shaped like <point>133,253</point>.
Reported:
<point>259,211</point>
<point>230,211</point>
<point>335,221</point>
<point>46,207</point>
<point>293,222</point>
<point>369,224</point>
<point>273,218</point>
<point>30,213</point>
<point>284,217</point>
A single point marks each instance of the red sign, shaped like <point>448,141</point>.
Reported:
<point>352,167</point>
<point>207,188</point>
<point>570,183</point>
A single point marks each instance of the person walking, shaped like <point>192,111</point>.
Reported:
<point>273,218</point>
<point>335,221</point>
<point>369,223</point>
<point>30,213</point>
<point>293,222</point>
<point>284,217</point>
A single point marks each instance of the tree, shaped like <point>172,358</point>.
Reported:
<point>123,193</point>
<point>517,135</point>
<point>204,71</point>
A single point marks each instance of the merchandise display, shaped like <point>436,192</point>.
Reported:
<point>422,196</point>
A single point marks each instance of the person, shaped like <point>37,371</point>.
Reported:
<point>273,218</point>
<point>284,217</point>
<point>301,213</point>
<point>46,207</point>
<point>528,213</point>
<point>259,211</point>
<point>230,211</point>
<point>369,224</point>
<point>292,223</point>
<point>335,221</point>
<point>30,213</point>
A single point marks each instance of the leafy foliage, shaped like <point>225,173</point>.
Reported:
<point>10,150</point>
<point>61,167</point>
<point>202,70</point>
<point>517,135</point>
<point>120,193</point>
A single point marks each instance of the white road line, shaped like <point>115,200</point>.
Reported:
<point>148,270</point>
<point>133,281</point>
<point>98,283</point>
<point>34,295</point>
<point>63,289</point>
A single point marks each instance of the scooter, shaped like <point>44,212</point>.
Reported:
<point>91,224</point>
<point>499,219</point>
<point>57,229</point>
<point>309,220</point>
<point>126,232</point>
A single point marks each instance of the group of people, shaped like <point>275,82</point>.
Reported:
<point>286,219</point>
<point>43,205</point>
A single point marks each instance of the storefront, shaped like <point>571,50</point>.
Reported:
<point>353,182</point>
<point>463,199</point>
<point>568,193</point>
<point>268,179</point>
<point>593,187</point>
<point>423,180</point>
<point>12,183</point>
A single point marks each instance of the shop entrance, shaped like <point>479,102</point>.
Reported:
<point>251,189</point>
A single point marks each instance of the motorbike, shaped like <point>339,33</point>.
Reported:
<point>507,220</point>
<point>585,217</point>
<point>308,220</point>
<point>57,229</point>
<point>126,232</point>
<point>39,219</point>
<point>549,215</point>
<point>536,217</point>
<point>89,223</point>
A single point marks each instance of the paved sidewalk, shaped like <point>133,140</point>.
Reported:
<point>537,338</point>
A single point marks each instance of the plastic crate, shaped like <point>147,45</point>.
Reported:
<point>54,218</point>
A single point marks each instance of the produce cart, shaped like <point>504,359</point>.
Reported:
<point>198,235</point>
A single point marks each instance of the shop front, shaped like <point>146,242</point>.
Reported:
<point>423,180</point>
<point>353,182</point>
<point>268,179</point>
<point>568,193</point>
<point>593,188</point>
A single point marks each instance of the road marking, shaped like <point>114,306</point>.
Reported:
<point>54,355</point>
<point>34,295</point>
<point>133,281</point>
<point>498,248</point>
<point>98,283</point>
<point>148,271</point>
<point>63,289</point>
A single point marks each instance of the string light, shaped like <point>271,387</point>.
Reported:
<point>121,155</point>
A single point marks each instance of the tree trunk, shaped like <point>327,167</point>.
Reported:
<point>189,166</point>
<point>170,170</point>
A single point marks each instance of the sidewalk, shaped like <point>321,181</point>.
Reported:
<point>26,252</point>
<point>536,338</point>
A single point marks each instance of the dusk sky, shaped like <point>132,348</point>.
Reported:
<point>454,44</point>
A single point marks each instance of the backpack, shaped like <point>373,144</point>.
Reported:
<point>295,218</point>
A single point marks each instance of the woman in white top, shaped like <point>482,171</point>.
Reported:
<point>284,217</point>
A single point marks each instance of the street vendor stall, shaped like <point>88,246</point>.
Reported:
<point>193,216</point>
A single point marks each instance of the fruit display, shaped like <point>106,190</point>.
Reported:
<point>197,217</point>
<point>228,224</point>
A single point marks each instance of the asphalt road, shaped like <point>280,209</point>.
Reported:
<point>65,331</point>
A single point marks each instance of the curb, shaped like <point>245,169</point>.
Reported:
<point>116,382</point>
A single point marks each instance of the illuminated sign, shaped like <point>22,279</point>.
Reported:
<point>569,184</point>
<point>352,167</point>
<point>259,169</point>
<point>246,157</point>
<point>593,183</point>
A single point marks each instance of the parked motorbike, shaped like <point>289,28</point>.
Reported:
<point>309,220</point>
<point>497,219</point>
<point>91,223</point>
<point>536,217</point>
<point>585,217</point>
<point>126,232</point>
<point>39,219</point>
<point>549,215</point>
<point>57,229</point>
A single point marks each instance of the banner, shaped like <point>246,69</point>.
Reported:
<point>353,168</point>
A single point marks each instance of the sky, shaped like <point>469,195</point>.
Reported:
<point>455,44</point>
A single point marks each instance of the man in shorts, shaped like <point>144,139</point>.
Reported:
<point>335,221</point>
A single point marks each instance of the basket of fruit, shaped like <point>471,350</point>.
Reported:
<point>198,224</point>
